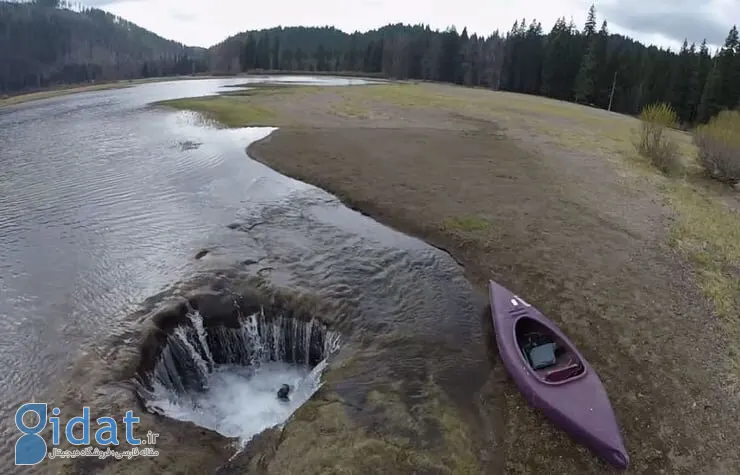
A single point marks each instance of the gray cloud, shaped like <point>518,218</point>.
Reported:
<point>181,16</point>
<point>674,19</point>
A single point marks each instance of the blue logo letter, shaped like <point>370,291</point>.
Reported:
<point>84,419</point>
<point>110,428</point>
<point>30,448</point>
<point>130,420</point>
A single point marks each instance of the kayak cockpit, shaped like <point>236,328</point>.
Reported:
<point>550,359</point>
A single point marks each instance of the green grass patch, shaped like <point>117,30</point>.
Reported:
<point>229,111</point>
<point>269,90</point>
<point>461,456</point>
<point>321,438</point>
<point>708,232</point>
<point>465,223</point>
<point>538,106</point>
<point>409,95</point>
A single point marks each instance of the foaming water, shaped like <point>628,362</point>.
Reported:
<point>226,379</point>
<point>241,402</point>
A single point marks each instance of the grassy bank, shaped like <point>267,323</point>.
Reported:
<point>551,199</point>
<point>222,110</point>
<point>238,108</point>
<point>283,72</point>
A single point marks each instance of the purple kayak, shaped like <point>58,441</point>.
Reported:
<point>554,376</point>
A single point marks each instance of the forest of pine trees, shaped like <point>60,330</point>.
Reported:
<point>48,42</point>
<point>586,65</point>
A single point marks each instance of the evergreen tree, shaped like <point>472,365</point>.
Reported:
<point>276,54</point>
<point>555,70</point>
<point>450,62</point>
<point>680,89</point>
<point>321,58</point>
<point>585,86</point>
<point>589,28</point>
<point>602,75</point>
<point>701,63</point>
<point>350,59</point>
<point>532,58</point>
<point>711,100</point>
<point>300,57</point>
<point>722,90</point>
<point>248,58</point>
<point>464,70</point>
<point>286,61</point>
<point>730,58</point>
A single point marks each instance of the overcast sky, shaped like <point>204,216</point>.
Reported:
<point>206,22</point>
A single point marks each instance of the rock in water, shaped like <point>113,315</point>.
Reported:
<point>283,392</point>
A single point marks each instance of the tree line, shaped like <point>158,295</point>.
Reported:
<point>48,42</point>
<point>587,65</point>
<point>45,43</point>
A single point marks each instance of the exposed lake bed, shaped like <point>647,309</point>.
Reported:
<point>547,198</point>
<point>413,383</point>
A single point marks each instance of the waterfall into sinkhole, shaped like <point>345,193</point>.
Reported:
<point>227,379</point>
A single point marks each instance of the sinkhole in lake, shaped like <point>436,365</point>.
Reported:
<point>225,376</point>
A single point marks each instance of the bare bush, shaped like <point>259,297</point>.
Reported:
<point>718,143</point>
<point>655,142</point>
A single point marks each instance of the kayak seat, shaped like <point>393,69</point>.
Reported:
<point>561,374</point>
<point>542,356</point>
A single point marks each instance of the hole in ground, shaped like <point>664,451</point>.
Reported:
<point>225,374</point>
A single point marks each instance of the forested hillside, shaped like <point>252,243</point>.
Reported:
<point>582,64</point>
<point>43,43</point>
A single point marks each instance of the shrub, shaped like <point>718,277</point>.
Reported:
<point>718,143</point>
<point>655,142</point>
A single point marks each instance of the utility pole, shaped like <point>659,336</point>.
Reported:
<point>611,95</point>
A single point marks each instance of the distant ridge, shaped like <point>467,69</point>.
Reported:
<point>45,44</point>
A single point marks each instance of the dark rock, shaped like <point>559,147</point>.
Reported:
<point>189,145</point>
<point>201,254</point>
<point>283,392</point>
